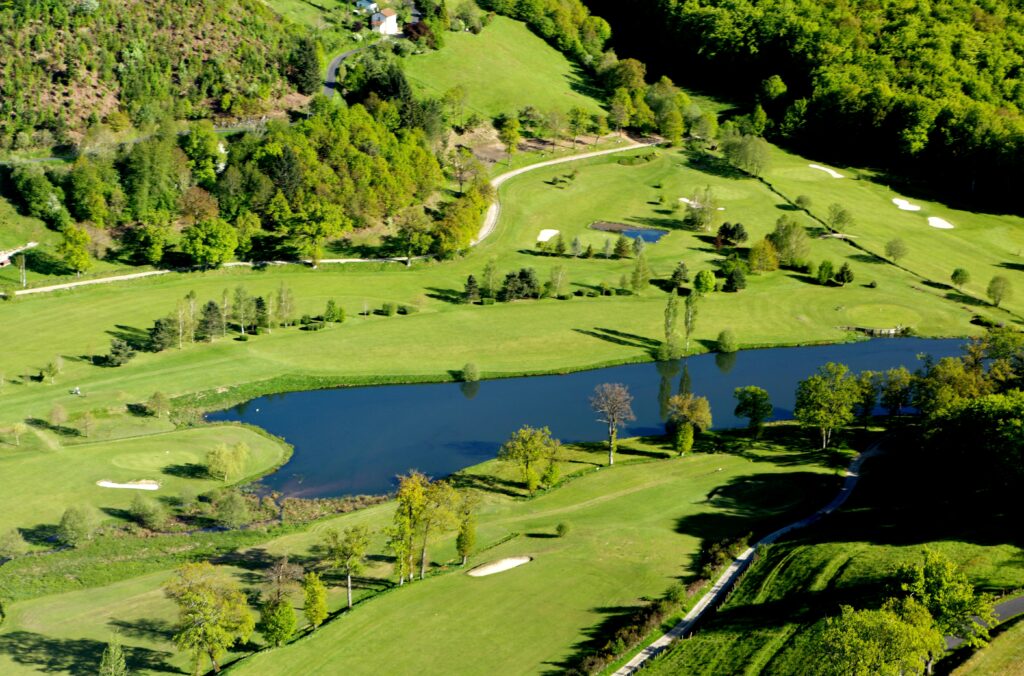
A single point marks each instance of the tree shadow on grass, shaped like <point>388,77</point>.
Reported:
<point>621,338</point>
<point>62,430</point>
<point>44,534</point>
<point>453,296</point>
<point>1009,265</point>
<point>597,637</point>
<point>189,470</point>
<point>146,628</point>
<point>867,258</point>
<point>964,299</point>
<point>75,656</point>
<point>45,263</point>
<point>136,337</point>
<point>488,483</point>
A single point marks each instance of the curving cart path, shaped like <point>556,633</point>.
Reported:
<point>490,223</point>
<point>733,572</point>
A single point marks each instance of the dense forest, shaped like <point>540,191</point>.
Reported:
<point>929,89</point>
<point>66,64</point>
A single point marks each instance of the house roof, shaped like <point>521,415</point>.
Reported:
<point>388,12</point>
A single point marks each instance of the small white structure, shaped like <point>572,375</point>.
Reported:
<point>385,22</point>
<point>367,6</point>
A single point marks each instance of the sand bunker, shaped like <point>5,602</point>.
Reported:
<point>905,205</point>
<point>499,566</point>
<point>545,235</point>
<point>940,223</point>
<point>684,200</point>
<point>831,172</point>
<point>143,485</point>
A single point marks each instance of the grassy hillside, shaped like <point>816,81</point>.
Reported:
<point>503,69</point>
<point>849,559</point>
<point>68,65</point>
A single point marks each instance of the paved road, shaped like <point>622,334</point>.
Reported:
<point>490,221</point>
<point>1004,611</point>
<point>331,82</point>
<point>494,211</point>
<point>733,572</point>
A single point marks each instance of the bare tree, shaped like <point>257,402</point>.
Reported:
<point>612,402</point>
<point>281,579</point>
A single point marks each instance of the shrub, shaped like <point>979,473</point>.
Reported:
<point>872,284</point>
<point>623,292</point>
<point>562,529</point>
<point>148,512</point>
<point>726,341</point>
<point>77,525</point>
<point>487,301</point>
<point>470,373</point>
<point>593,294</point>
<point>390,309</point>
<point>408,310</point>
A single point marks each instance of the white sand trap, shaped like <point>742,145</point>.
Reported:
<point>143,485</point>
<point>905,205</point>
<point>499,566</point>
<point>684,200</point>
<point>721,208</point>
<point>940,223</point>
<point>831,172</point>
<point>545,235</point>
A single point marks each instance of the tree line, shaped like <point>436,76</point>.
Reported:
<point>823,78</point>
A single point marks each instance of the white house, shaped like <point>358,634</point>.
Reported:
<point>367,6</point>
<point>385,22</point>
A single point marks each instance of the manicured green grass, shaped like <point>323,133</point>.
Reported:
<point>503,69</point>
<point>40,482</point>
<point>634,528</point>
<point>529,336</point>
<point>984,244</point>
<point>1005,655</point>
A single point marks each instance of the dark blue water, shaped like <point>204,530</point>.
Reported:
<point>649,235</point>
<point>356,440</point>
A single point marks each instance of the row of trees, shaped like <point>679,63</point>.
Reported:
<point>191,322</point>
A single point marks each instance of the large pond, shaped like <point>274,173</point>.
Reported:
<point>356,440</point>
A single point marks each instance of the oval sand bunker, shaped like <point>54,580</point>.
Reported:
<point>940,223</point>
<point>143,485</point>
<point>499,566</point>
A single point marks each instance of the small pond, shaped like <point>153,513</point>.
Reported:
<point>632,231</point>
<point>356,440</point>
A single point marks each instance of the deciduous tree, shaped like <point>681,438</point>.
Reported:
<point>754,404</point>
<point>527,448</point>
<point>314,599</point>
<point>614,406</point>
<point>212,612</point>
<point>826,399</point>
<point>689,414</point>
<point>346,551</point>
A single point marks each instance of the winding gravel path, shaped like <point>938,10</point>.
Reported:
<point>490,222</point>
